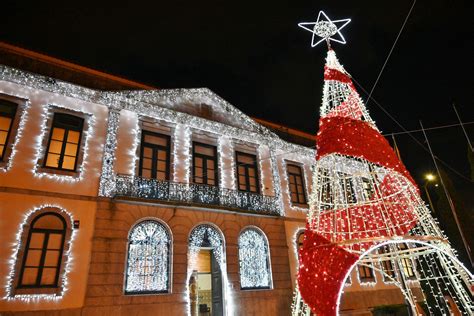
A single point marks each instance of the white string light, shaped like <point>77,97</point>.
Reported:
<point>10,294</point>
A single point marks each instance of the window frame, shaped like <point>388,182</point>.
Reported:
<point>389,275</point>
<point>268,259</point>
<point>247,167</point>
<point>13,133</point>
<point>204,165</point>
<point>169,270</point>
<point>364,278</point>
<point>10,127</point>
<point>154,147</point>
<point>44,249</point>
<point>289,174</point>
<point>407,263</point>
<point>85,137</point>
<point>62,154</point>
<point>21,255</point>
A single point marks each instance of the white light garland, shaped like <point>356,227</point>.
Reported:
<point>148,263</point>
<point>254,260</point>
<point>107,178</point>
<point>10,295</point>
<point>40,148</point>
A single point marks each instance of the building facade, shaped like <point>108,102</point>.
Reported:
<point>163,202</point>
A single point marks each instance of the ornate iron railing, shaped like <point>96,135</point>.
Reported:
<point>138,187</point>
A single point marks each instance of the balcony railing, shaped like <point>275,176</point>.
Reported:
<point>192,194</point>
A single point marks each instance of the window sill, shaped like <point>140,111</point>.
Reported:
<point>37,291</point>
<point>293,204</point>
<point>58,172</point>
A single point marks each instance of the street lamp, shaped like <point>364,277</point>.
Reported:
<point>429,177</point>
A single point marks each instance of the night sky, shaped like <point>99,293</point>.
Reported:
<point>254,55</point>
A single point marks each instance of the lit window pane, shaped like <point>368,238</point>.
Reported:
<point>210,164</point>
<point>146,173</point>
<point>1,150</point>
<point>68,162</point>
<point>51,258</point>
<point>58,134</point>
<point>161,165</point>
<point>5,123</point>
<point>54,241</point>
<point>49,276</point>
<point>36,240</point>
<point>73,137</point>
<point>146,163</point>
<point>3,137</point>
<point>198,162</point>
<point>33,258</point>
<point>71,150</point>
<point>198,172</point>
<point>162,155</point>
<point>161,175</point>
<point>52,161</point>
<point>147,152</point>
<point>55,147</point>
<point>29,276</point>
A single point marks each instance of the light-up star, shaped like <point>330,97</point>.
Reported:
<point>325,29</point>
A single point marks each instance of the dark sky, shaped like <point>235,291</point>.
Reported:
<point>254,55</point>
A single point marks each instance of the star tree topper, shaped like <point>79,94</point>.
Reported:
<point>325,28</point>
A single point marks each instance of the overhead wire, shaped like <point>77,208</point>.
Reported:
<point>390,53</point>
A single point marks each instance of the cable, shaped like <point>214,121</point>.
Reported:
<point>429,128</point>
<point>409,132</point>
<point>390,53</point>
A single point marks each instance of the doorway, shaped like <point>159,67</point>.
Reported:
<point>206,263</point>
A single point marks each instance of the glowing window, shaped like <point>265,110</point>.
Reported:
<point>148,263</point>
<point>7,115</point>
<point>43,252</point>
<point>64,142</point>
<point>247,172</point>
<point>296,184</point>
<point>254,260</point>
<point>407,264</point>
<point>155,156</point>
<point>205,164</point>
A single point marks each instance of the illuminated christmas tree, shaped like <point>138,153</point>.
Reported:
<point>365,209</point>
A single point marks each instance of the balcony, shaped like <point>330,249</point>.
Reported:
<point>195,194</point>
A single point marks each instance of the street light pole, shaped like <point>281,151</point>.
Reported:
<point>450,201</point>
<point>429,177</point>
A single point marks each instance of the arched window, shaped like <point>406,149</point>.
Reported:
<point>41,266</point>
<point>148,263</point>
<point>254,260</point>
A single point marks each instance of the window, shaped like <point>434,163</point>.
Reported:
<point>407,264</point>
<point>7,115</point>
<point>348,192</point>
<point>64,142</point>
<point>300,240</point>
<point>296,183</point>
<point>148,263</point>
<point>247,172</point>
<point>387,265</point>
<point>43,254</point>
<point>366,274</point>
<point>154,156</point>
<point>204,164</point>
<point>368,189</point>
<point>254,260</point>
